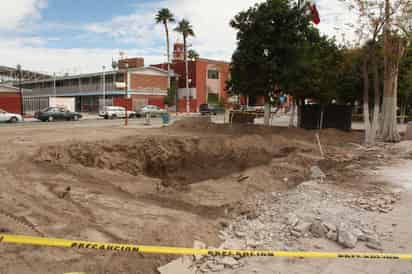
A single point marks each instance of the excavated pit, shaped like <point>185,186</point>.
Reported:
<point>176,160</point>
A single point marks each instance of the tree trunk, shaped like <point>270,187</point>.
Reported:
<point>168,55</point>
<point>366,114</point>
<point>389,130</point>
<point>389,127</point>
<point>377,101</point>
<point>293,114</point>
<point>267,113</point>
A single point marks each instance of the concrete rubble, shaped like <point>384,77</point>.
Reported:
<point>295,220</point>
<point>183,265</point>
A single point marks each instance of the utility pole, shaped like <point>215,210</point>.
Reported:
<point>126,120</point>
<point>54,85</point>
<point>20,90</point>
<point>104,88</point>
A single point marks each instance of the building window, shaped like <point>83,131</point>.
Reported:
<point>213,74</point>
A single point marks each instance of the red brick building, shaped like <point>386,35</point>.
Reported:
<point>10,99</point>
<point>207,80</point>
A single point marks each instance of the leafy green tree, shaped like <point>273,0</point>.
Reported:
<point>350,78</point>
<point>405,82</point>
<point>164,16</point>
<point>316,74</point>
<point>193,55</point>
<point>270,37</point>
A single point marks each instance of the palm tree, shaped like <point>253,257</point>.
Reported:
<point>192,55</point>
<point>164,16</point>
<point>185,28</point>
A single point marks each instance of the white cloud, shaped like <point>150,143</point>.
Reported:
<point>210,19</point>
<point>61,61</point>
<point>17,12</point>
<point>336,19</point>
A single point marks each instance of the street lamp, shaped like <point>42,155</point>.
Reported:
<point>20,89</point>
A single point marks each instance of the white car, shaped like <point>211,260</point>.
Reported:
<point>116,112</point>
<point>153,110</point>
<point>10,117</point>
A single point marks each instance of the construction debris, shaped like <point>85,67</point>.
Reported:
<point>346,237</point>
<point>183,265</point>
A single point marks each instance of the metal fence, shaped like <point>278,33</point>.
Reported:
<point>34,104</point>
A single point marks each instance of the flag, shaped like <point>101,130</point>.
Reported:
<point>315,13</point>
<point>312,9</point>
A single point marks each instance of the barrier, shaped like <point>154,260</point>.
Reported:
<point>164,250</point>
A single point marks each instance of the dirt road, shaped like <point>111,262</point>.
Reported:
<point>167,186</point>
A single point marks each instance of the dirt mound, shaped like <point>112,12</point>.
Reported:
<point>174,159</point>
<point>193,123</point>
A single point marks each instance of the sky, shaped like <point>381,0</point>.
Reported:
<point>77,36</point>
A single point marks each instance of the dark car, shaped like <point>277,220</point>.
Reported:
<point>57,114</point>
<point>208,109</point>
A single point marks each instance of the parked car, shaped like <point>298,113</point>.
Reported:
<point>57,114</point>
<point>207,109</point>
<point>153,110</point>
<point>10,117</point>
<point>111,112</point>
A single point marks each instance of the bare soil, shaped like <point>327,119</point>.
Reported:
<point>166,186</point>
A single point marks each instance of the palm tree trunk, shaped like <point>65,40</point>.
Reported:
<point>168,55</point>
<point>187,74</point>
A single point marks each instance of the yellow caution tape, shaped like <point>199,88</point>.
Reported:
<point>125,248</point>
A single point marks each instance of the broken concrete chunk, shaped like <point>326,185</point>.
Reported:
<point>240,234</point>
<point>303,227</point>
<point>317,230</point>
<point>357,232</point>
<point>213,267</point>
<point>198,245</point>
<point>330,227</point>
<point>182,266</point>
<point>332,235</point>
<point>347,239</point>
<point>296,234</point>
<point>346,236</point>
<point>292,220</point>
<point>228,262</point>
<point>252,243</point>
<point>374,244</point>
